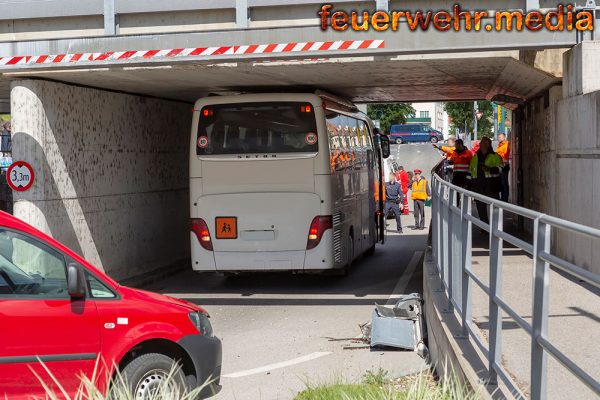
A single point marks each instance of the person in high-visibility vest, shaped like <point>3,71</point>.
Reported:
<point>485,169</point>
<point>461,160</point>
<point>504,151</point>
<point>448,149</point>
<point>420,193</point>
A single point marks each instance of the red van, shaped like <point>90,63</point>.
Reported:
<point>57,308</point>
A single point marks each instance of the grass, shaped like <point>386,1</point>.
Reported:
<point>378,386</point>
<point>118,388</point>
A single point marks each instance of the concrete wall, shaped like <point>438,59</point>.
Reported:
<point>111,173</point>
<point>560,145</point>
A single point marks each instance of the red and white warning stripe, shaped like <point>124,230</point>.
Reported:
<point>272,48</point>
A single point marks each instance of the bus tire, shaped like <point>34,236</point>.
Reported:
<point>399,141</point>
<point>371,250</point>
<point>343,271</point>
<point>433,139</point>
<point>350,253</point>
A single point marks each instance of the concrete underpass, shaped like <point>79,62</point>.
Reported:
<point>114,139</point>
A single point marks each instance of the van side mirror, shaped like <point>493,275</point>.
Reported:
<point>75,281</point>
<point>385,146</point>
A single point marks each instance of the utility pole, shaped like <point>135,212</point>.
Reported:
<point>497,110</point>
<point>475,110</point>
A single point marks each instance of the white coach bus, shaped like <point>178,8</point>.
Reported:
<point>283,182</point>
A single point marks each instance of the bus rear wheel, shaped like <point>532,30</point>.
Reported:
<point>371,250</point>
<point>399,141</point>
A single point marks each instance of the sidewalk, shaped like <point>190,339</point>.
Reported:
<point>573,325</point>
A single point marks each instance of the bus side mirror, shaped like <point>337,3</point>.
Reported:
<point>385,146</point>
<point>75,282</point>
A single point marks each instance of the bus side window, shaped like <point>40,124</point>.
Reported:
<point>335,147</point>
<point>353,149</point>
<point>343,137</point>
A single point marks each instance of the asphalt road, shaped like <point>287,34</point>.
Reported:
<point>281,331</point>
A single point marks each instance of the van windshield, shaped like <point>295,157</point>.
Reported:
<point>251,128</point>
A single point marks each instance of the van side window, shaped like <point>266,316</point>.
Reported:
<point>30,269</point>
<point>97,289</point>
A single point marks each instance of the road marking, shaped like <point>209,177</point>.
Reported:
<point>405,277</point>
<point>278,365</point>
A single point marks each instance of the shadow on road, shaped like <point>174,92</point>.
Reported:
<point>371,279</point>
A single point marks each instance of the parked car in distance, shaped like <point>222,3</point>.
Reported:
<point>414,133</point>
<point>56,307</point>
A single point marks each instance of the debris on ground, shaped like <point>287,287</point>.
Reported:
<point>400,326</point>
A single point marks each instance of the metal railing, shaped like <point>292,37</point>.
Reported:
<point>112,9</point>
<point>452,251</point>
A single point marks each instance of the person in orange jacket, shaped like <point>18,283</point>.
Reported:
<point>504,151</point>
<point>460,159</point>
<point>448,149</point>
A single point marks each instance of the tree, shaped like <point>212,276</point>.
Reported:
<point>462,112</point>
<point>390,114</point>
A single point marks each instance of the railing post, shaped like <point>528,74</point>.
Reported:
<point>382,5</point>
<point>110,18</point>
<point>496,244</point>
<point>439,227</point>
<point>467,243</point>
<point>541,243</point>
<point>434,226</point>
<point>241,13</point>
<point>444,241</point>
<point>450,246</point>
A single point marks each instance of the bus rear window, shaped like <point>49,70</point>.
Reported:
<point>251,128</point>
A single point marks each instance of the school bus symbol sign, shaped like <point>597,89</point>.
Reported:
<point>226,227</point>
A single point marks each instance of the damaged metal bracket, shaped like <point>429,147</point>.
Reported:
<point>400,326</point>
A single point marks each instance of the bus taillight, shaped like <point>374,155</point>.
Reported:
<point>200,229</point>
<point>318,226</point>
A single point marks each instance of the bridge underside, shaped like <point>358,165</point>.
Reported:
<point>442,77</point>
<point>365,66</point>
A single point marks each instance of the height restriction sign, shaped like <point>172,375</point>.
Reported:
<point>19,176</point>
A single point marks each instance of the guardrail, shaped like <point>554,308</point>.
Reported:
<point>452,251</point>
<point>111,9</point>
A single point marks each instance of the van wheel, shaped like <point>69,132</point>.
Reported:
<point>434,139</point>
<point>146,377</point>
<point>399,141</point>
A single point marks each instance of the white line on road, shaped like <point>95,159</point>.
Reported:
<point>278,365</point>
<point>406,277</point>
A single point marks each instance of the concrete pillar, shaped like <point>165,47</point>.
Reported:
<point>111,173</point>
<point>560,145</point>
<point>581,73</point>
